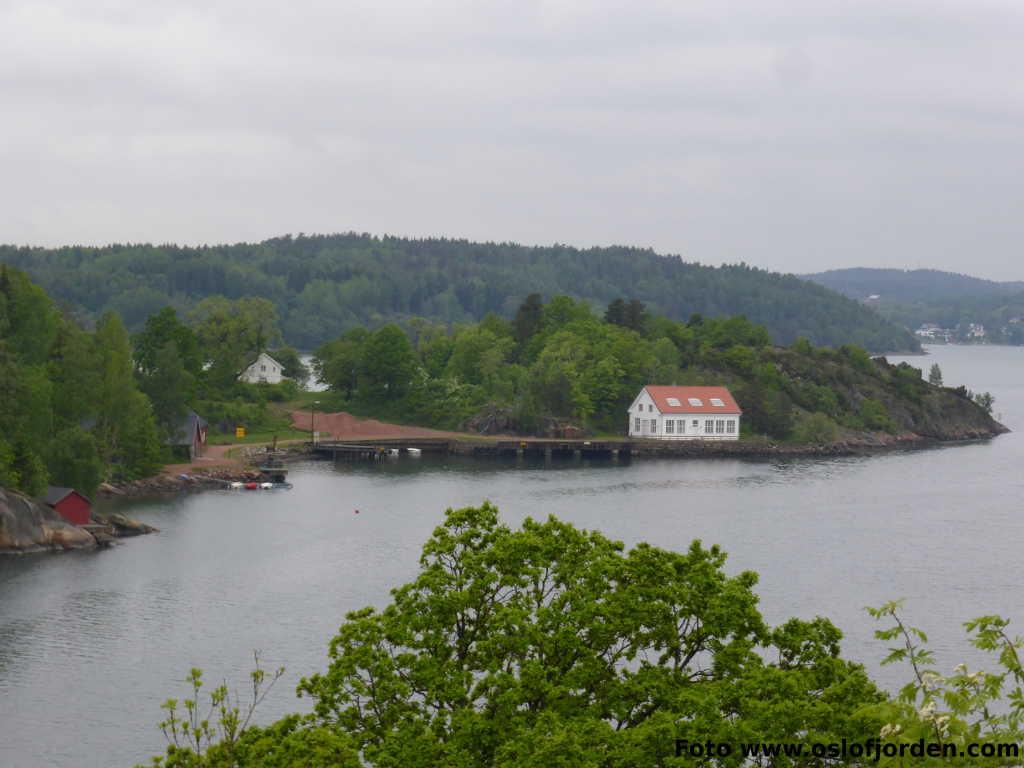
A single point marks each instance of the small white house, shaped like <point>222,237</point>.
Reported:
<point>685,413</point>
<point>263,369</point>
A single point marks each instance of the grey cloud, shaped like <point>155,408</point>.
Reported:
<point>793,135</point>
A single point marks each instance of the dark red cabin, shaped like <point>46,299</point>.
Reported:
<point>69,504</point>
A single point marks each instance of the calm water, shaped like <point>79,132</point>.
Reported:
<point>91,643</point>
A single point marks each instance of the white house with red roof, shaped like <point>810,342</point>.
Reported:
<point>685,413</point>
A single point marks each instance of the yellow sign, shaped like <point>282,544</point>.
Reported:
<point>239,431</point>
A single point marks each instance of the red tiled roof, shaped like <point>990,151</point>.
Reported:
<point>683,395</point>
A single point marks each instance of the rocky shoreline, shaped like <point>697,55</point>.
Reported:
<point>28,525</point>
<point>208,478</point>
<point>198,480</point>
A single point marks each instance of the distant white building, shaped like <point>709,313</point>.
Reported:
<point>263,369</point>
<point>685,413</point>
<point>933,332</point>
<point>975,331</point>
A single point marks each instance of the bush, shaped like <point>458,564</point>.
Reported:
<point>816,429</point>
<point>875,416</point>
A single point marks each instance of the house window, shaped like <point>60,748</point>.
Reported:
<point>654,426</point>
<point>636,425</point>
<point>673,401</point>
<point>709,426</point>
<point>263,367</point>
<point>730,427</point>
<point>696,402</point>
<point>696,425</point>
<point>670,427</point>
<point>720,426</point>
<point>717,402</point>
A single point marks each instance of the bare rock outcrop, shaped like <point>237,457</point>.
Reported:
<point>27,525</point>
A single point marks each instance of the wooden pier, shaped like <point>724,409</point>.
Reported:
<point>548,448</point>
<point>375,450</point>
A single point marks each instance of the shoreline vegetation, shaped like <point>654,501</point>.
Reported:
<point>82,408</point>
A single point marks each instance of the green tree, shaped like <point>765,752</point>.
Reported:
<point>387,363</point>
<point>935,375</point>
<point>816,429</point>
<point>616,312</point>
<point>161,329</point>
<point>170,388</point>
<point>478,355</point>
<point>126,432</point>
<point>549,645</point>
<point>291,364</point>
<point>337,362</point>
<point>233,333</point>
<point>985,400</point>
<point>528,317</point>
<point>875,415</point>
<point>73,462</point>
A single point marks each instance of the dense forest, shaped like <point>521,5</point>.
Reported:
<point>321,285</point>
<point>79,407</point>
<point>911,284</point>
<point>558,364</point>
<point>912,298</point>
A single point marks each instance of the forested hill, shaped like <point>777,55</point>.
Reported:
<point>911,298</point>
<point>911,284</point>
<point>323,285</point>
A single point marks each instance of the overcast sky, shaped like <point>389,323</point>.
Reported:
<point>791,134</point>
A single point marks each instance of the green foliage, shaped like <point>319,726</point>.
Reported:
<point>387,363</point>
<point>575,367</point>
<point>551,645</point>
<point>225,415</point>
<point>216,733</point>
<point>528,317</point>
<point>73,458</point>
<point>170,388</point>
<point>291,364</point>
<point>985,400</point>
<point>985,709</point>
<point>874,415</point>
<point>233,332</point>
<point>935,375</point>
<point>322,286</point>
<point>126,431</point>
<point>163,329</point>
<point>816,429</point>
<point>70,411</point>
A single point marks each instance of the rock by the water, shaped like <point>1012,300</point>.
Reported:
<point>27,525</point>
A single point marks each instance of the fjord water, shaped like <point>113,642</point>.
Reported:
<point>91,643</point>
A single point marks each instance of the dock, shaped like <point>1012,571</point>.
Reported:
<point>548,448</point>
<point>375,450</point>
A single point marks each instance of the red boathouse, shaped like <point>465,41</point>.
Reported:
<point>69,504</point>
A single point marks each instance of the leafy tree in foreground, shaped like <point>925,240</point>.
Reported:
<point>977,716</point>
<point>550,645</point>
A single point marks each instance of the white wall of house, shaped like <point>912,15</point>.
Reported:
<point>647,422</point>
<point>265,369</point>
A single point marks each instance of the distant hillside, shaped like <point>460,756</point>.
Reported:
<point>912,298</point>
<point>324,285</point>
<point>910,284</point>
